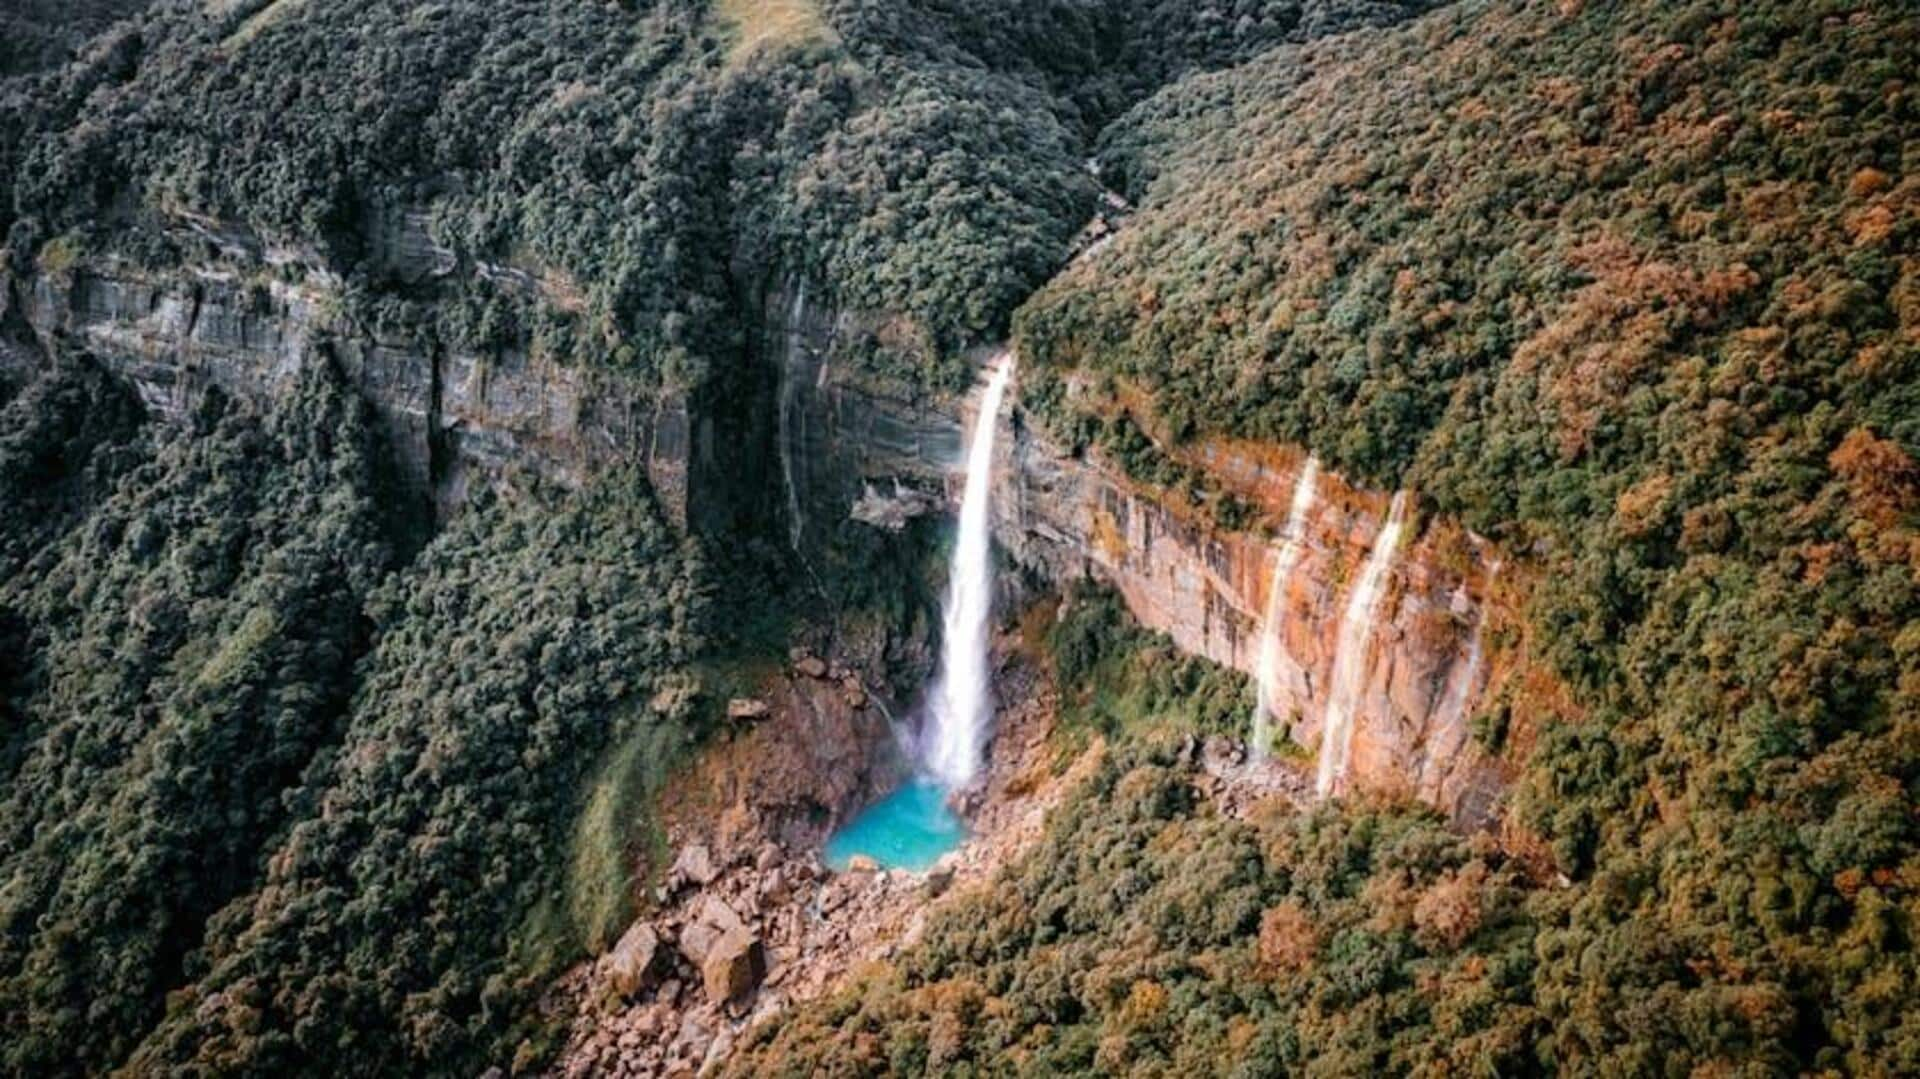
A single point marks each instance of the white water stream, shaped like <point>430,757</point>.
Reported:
<point>796,523</point>
<point>1454,709</point>
<point>1285,558</point>
<point>1353,650</point>
<point>960,707</point>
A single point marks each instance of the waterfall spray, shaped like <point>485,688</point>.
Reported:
<point>960,707</point>
<point>1352,650</point>
<point>1285,558</point>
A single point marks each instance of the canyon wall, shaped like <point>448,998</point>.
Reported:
<point>852,443</point>
<point>250,317</point>
<point>1420,672</point>
<point>863,448</point>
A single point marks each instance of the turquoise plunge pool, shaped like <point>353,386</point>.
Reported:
<point>908,829</point>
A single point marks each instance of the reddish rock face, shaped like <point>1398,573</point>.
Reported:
<point>1420,678</point>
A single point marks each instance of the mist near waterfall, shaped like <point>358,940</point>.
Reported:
<point>960,708</point>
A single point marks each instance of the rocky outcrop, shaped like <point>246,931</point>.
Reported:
<point>734,966</point>
<point>1418,678</point>
<point>250,317</point>
<point>631,965</point>
<point>857,446</point>
<point>852,443</point>
<point>774,926</point>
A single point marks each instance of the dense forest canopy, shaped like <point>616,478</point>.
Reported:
<point>39,34</point>
<point>1629,287</point>
<point>919,158</point>
<point>324,800</point>
<point>1147,936</point>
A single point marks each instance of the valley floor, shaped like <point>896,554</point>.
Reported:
<point>816,926</point>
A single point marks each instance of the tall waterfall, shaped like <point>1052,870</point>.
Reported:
<point>960,706</point>
<point>1285,558</point>
<point>1352,650</point>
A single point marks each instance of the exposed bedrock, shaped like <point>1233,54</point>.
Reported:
<point>856,446</point>
<point>852,443</point>
<point>236,323</point>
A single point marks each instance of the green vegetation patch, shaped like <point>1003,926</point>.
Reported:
<point>1623,285</point>
<point>1126,682</point>
<point>1146,935</point>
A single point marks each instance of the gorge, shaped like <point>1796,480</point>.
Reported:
<point>525,548</point>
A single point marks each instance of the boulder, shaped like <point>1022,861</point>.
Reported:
<point>769,856</point>
<point>774,889</point>
<point>853,692</point>
<point>812,667</point>
<point>861,863</point>
<point>748,709</point>
<point>694,865</point>
<point>712,919</point>
<point>631,964</point>
<point>734,966</point>
<point>938,879</point>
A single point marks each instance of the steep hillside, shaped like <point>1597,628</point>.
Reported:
<point>305,772</point>
<point>610,166</point>
<point>243,750</point>
<point>1625,286</point>
<point>39,34</point>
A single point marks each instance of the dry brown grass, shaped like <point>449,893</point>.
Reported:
<point>770,25</point>
<point>260,20</point>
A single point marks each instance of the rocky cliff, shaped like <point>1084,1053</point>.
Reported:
<point>853,444</point>
<point>1428,654</point>
<point>249,316</point>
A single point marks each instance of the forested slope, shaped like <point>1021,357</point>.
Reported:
<point>285,788</point>
<point>1628,287</point>
<point>265,782</point>
<point>39,34</point>
<point>922,159</point>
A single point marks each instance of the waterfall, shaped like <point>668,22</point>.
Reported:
<point>1352,650</point>
<point>796,523</point>
<point>960,705</point>
<point>1285,558</point>
<point>1454,709</point>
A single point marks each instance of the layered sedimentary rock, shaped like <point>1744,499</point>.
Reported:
<point>851,444</point>
<point>1416,678</point>
<point>856,447</point>
<point>251,317</point>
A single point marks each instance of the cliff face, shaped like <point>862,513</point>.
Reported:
<point>1418,664</point>
<point>236,322</point>
<point>854,446</point>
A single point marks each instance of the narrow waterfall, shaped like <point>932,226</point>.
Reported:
<point>796,523</point>
<point>1454,708</point>
<point>1285,558</point>
<point>960,708</point>
<point>1352,650</point>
